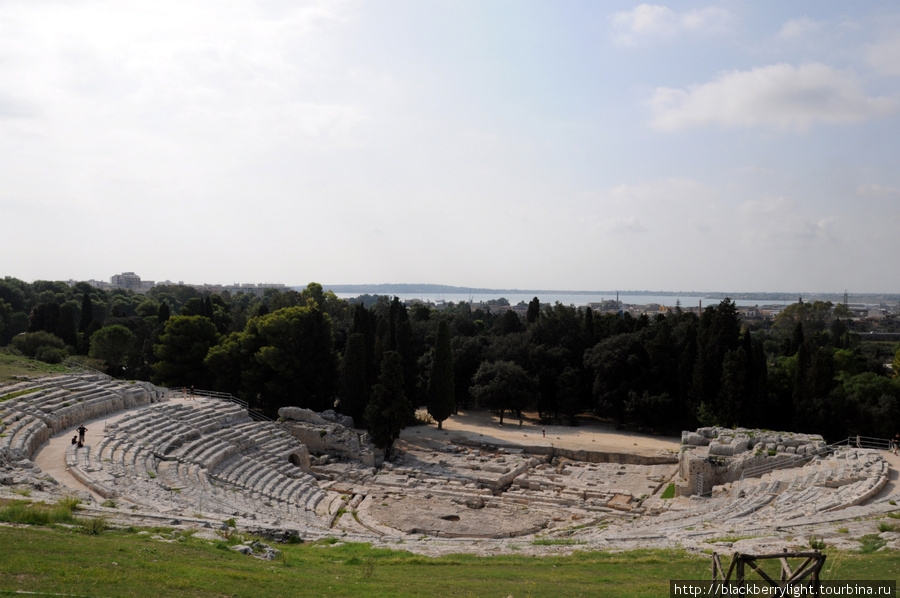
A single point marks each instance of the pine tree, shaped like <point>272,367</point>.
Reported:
<point>441,394</point>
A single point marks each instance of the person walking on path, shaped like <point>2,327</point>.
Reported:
<point>81,431</point>
<point>544,431</point>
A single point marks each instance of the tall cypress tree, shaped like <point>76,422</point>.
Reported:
<point>441,397</point>
<point>163,313</point>
<point>534,311</point>
<point>354,386</point>
<point>87,313</point>
<point>589,327</point>
<point>66,328</point>
<point>388,411</point>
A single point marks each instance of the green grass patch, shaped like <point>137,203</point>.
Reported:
<point>70,502</point>
<point>19,393</point>
<point>870,544</point>
<point>12,366</point>
<point>557,542</point>
<point>669,492</point>
<point>23,511</point>
<point>124,563</point>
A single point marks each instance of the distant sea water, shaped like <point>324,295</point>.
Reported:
<point>578,300</point>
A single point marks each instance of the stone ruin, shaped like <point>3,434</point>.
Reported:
<point>330,434</point>
<point>199,462</point>
<point>714,456</point>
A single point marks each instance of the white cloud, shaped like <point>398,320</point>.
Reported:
<point>779,95</point>
<point>653,22</point>
<point>658,194</point>
<point>873,191</point>
<point>884,56</point>
<point>766,207</point>
<point>657,206</point>
<point>234,74</point>
<point>781,223</point>
<point>797,28</point>
<point>629,224</point>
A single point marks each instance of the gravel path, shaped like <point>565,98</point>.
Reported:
<point>485,427</point>
<point>51,458</point>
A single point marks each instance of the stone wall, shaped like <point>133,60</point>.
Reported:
<point>320,435</point>
<point>714,456</point>
<point>576,454</point>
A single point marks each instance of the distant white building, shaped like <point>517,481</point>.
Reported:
<point>133,282</point>
<point>130,281</point>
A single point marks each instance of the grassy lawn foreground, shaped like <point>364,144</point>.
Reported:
<point>123,563</point>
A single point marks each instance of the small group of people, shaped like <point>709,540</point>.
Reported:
<point>895,444</point>
<point>79,438</point>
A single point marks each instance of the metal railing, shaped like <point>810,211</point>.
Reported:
<point>223,396</point>
<point>863,442</point>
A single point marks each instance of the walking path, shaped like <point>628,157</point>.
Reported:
<point>485,427</point>
<point>893,477</point>
<point>51,458</point>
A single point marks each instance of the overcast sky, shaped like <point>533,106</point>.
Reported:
<point>730,146</point>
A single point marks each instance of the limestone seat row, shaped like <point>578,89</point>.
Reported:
<point>210,453</point>
<point>59,403</point>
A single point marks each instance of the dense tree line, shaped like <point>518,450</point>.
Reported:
<point>375,359</point>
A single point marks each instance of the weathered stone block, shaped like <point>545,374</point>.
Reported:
<point>693,438</point>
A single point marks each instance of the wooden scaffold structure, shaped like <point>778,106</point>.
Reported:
<point>806,574</point>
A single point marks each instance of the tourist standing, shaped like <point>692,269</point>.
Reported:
<point>81,431</point>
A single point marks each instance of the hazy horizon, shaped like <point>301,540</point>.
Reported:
<point>511,143</point>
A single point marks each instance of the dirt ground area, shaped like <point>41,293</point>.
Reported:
<point>483,426</point>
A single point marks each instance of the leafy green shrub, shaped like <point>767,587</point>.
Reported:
<point>886,527</point>
<point>816,543</point>
<point>93,526</point>
<point>51,355</point>
<point>70,503</point>
<point>29,343</point>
